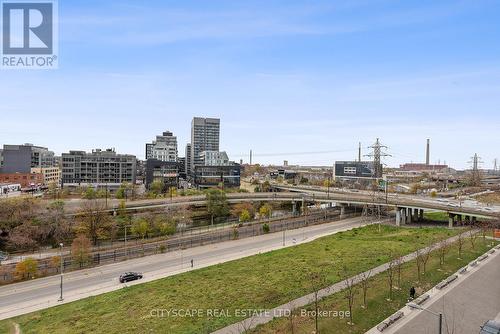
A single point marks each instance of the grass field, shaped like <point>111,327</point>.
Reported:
<point>492,198</point>
<point>256,282</point>
<point>378,306</point>
<point>438,216</point>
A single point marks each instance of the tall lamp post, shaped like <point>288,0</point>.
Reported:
<point>62,268</point>
<point>439,315</point>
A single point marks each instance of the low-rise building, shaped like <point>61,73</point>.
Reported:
<point>213,176</point>
<point>167,172</point>
<point>50,174</point>
<point>354,169</point>
<point>21,158</point>
<point>26,180</point>
<point>98,168</point>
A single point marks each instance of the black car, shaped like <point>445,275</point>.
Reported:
<point>130,276</point>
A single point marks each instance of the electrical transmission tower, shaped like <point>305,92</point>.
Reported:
<point>476,174</point>
<point>377,154</point>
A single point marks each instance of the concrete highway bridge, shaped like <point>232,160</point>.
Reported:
<point>408,208</point>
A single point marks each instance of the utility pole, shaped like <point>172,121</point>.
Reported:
<point>250,157</point>
<point>495,166</point>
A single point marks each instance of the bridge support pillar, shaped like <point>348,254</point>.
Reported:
<point>451,218</point>
<point>421,214</point>
<point>409,212</point>
<point>398,217</point>
<point>459,220</point>
<point>294,208</point>
<point>403,216</point>
<point>342,211</point>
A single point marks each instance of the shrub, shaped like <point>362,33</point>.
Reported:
<point>265,228</point>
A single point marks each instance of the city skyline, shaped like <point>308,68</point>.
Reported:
<point>292,77</point>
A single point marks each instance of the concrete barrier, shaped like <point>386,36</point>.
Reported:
<point>497,246</point>
<point>473,263</point>
<point>420,300</point>
<point>462,270</point>
<point>482,257</point>
<point>389,321</point>
<point>492,251</point>
<point>445,282</point>
<point>451,278</point>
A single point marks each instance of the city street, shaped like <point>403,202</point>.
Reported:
<point>25,297</point>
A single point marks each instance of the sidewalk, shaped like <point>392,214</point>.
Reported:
<point>437,296</point>
<point>269,315</point>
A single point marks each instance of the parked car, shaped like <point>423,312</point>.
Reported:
<point>490,327</point>
<point>130,276</point>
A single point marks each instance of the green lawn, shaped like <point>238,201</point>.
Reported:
<point>379,308</point>
<point>438,216</point>
<point>257,282</point>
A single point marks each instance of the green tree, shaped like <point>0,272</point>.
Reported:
<point>172,192</point>
<point>156,188</point>
<point>217,204</point>
<point>80,250</point>
<point>245,216</point>
<point>164,226</point>
<point>140,227</point>
<point>90,193</point>
<point>26,268</point>
<point>266,211</point>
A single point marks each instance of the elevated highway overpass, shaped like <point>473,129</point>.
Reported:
<point>408,208</point>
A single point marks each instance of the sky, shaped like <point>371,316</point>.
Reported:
<point>302,81</point>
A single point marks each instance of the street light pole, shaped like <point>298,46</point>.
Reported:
<point>439,315</point>
<point>62,268</point>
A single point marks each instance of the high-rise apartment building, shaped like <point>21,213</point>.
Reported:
<point>187,162</point>
<point>99,168</point>
<point>164,148</point>
<point>205,135</point>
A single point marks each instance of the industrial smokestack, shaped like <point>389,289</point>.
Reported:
<point>428,153</point>
<point>359,152</point>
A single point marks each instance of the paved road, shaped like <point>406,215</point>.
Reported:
<point>25,297</point>
<point>466,306</point>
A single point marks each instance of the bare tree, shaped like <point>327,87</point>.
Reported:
<point>318,282</point>
<point>460,244</point>
<point>399,261</point>
<point>365,284</point>
<point>418,261</point>
<point>291,317</point>
<point>349,291</point>
<point>390,277</point>
<point>472,238</point>
<point>426,254</point>
<point>95,222</point>
<point>443,249</point>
